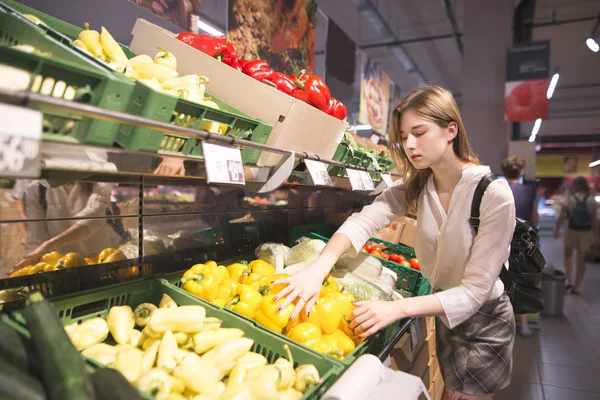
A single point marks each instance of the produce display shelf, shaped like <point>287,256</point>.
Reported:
<point>57,71</point>
<point>96,303</point>
<point>148,103</point>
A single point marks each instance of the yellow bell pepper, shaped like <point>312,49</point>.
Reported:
<point>201,280</point>
<point>261,268</point>
<point>129,362</point>
<point>111,255</point>
<point>268,316</point>
<point>92,41</point>
<point>305,332</point>
<point>329,286</point>
<point>167,302</point>
<point>237,270</point>
<point>246,301</point>
<point>103,353</point>
<point>50,268</point>
<point>339,341</point>
<point>71,260</point>
<point>286,367</point>
<point>325,347</point>
<point>20,272</point>
<point>327,313</point>
<point>222,273</point>
<point>307,376</point>
<point>51,258</point>
<point>89,332</point>
<point>262,386</point>
<point>274,289</point>
<point>227,290</point>
<point>156,383</point>
<point>167,352</point>
<point>150,354</point>
<point>112,48</point>
<point>39,267</point>
<point>89,261</point>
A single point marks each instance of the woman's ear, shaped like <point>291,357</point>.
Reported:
<point>452,130</point>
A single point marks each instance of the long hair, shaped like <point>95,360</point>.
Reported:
<point>580,185</point>
<point>437,105</point>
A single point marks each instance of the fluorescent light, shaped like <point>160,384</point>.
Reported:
<point>363,127</point>
<point>597,198</point>
<point>593,45</point>
<point>594,163</point>
<point>209,29</point>
<point>552,86</point>
<point>535,130</point>
<point>538,147</point>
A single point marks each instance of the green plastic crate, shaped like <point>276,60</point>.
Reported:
<point>96,303</point>
<point>151,104</point>
<point>60,71</point>
<point>324,230</point>
<point>342,154</point>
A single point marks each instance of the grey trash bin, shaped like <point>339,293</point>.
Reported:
<point>553,288</point>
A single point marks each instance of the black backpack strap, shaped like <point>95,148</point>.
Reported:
<point>476,204</point>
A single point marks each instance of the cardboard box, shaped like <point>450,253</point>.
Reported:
<point>296,125</point>
<point>408,228</point>
<point>401,354</point>
<point>406,350</point>
<point>419,365</point>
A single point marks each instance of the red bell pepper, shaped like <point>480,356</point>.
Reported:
<point>218,47</point>
<point>311,91</point>
<point>283,82</point>
<point>336,109</point>
<point>314,81</point>
<point>239,64</point>
<point>258,69</point>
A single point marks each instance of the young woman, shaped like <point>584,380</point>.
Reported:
<point>579,208</point>
<point>475,324</point>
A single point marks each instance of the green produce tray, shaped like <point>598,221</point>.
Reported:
<point>151,104</point>
<point>58,68</point>
<point>342,154</point>
<point>96,303</point>
<point>325,230</point>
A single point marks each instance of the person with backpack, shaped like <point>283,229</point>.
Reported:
<point>525,196</point>
<point>466,221</point>
<point>579,211</point>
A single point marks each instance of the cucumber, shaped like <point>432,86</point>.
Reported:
<point>12,348</point>
<point>15,384</point>
<point>61,366</point>
<point>110,384</point>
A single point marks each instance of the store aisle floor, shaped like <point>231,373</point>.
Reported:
<point>562,360</point>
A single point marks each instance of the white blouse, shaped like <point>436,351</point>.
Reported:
<point>463,266</point>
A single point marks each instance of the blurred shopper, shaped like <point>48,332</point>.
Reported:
<point>525,196</point>
<point>475,328</point>
<point>579,209</point>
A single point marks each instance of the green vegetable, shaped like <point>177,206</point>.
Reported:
<point>306,250</point>
<point>61,366</point>
<point>16,384</point>
<point>12,348</point>
<point>111,385</point>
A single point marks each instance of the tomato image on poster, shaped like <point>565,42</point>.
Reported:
<point>526,100</point>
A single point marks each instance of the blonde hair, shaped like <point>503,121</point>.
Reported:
<point>437,105</point>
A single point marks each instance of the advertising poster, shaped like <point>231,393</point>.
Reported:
<point>563,165</point>
<point>375,90</point>
<point>283,33</point>
<point>527,81</point>
<point>178,12</point>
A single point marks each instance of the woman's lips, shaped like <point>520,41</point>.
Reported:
<point>415,157</point>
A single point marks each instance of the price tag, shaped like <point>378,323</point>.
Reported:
<point>223,164</point>
<point>20,137</point>
<point>387,178</point>
<point>355,179</point>
<point>318,173</point>
<point>367,181</point>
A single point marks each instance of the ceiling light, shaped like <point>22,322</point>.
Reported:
<point>592,44</point>
<point>535,130</point>
<point>553,84</point>
<point>594,163</point>
<point>209,29</point>
<point>363,127</point>
<point>592,41</point>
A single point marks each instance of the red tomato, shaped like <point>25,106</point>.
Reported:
<point>376,248</point>
<point>379,254</point>
<point>368,247</point>
<point>397,258</point>
<point>414,264</point>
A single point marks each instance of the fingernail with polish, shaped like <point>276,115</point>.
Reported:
<point>275,298</point>
<point>279,309</point>
<point>292,318</point>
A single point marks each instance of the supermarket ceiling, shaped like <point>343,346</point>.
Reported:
<point>426,31</point>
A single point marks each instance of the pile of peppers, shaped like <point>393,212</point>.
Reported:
<point>308,88</point>
<point>247,289</point>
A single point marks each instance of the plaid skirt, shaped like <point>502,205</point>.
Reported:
<point>476,356</point>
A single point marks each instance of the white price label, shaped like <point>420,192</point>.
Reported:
<point>367,181</point>
<point>414,334</point>
<point>387,178</point>
<point>355,179</point>
<point>318,173</point>
<point>223,164</point>
<point>20,137</point>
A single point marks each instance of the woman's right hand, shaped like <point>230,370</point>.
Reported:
<point>304,286</point>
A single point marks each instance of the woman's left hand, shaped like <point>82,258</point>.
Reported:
<point>371,316</point>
